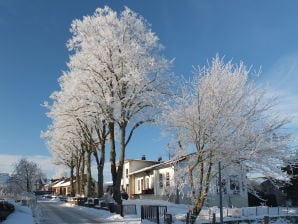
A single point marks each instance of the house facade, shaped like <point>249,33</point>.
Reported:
<point>62,187</point>
<point>234,188</point>
<point>128,182</point>
<point>41,184</point>
<point>267,192</point>
<point>155,180</point>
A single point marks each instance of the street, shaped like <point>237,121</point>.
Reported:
<point>55,213</point>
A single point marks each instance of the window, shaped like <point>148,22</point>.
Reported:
<point>139,185</point>
<point>160,180</point>
<point>223,186</point>
<point>243,186</point>
<point>147,183</point>
<point>234,184</point>
<point>126,173</point>
<point>142,184</point>
<point>167,179</point>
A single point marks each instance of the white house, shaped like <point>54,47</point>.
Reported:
<point>131,166</point>
<point>155,180</point>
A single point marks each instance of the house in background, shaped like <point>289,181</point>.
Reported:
<point>133,165</point>
<point>62,187</point>
<point>40,184</point>
<point>267,193</point>
<point>234,188</point>
<point>155,180</point>
<point>4,179</point>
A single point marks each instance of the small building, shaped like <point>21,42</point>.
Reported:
<point>131,166</point>
<point>269,192</point>
<point>40,184</point>
<point>156,180</point>
<point>61,187</point>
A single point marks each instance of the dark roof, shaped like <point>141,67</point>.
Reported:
<point>162,164</point>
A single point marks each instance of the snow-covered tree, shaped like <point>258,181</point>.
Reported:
<point>222,115</point>
<point>25,174</point>
<point>64,144</point>
<point>117,61</point>
<point>75,134</point>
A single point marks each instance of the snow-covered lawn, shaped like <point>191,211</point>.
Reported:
<point>133,219</point>
<point>24,215</point>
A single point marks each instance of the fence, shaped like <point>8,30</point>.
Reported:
<point>153,213</point>
<point>247,212</point>
<point>129,210</point>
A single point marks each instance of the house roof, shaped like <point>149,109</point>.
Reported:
<point>139,160</point>
<point>144,169</point>
<point>44,181</point>
<point>127,160</point>
<point>59,184</point>
<point>66,183</point>
<point>161,165</point>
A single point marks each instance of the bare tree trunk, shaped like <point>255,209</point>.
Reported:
<point>102,135</point>
<point>100,166</point>
<point>78,179</point>
<point>72,192</point>
<point>203,192</point>
<point>100,171</point>
<point>117,190</point>
<point>82,174</point>
<point>88,175</point>
<point>98,174</point>
<point>113,158</point>
<point>28,184</point>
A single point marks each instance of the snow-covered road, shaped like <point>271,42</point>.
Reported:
<point>53,213</point>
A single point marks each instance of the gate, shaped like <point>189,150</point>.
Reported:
<point>129,209</point>
<point>153,213</point>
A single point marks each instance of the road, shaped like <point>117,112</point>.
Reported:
<point>55,213</point>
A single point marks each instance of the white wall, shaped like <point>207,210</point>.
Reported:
<point>132,166</point>
<point>143,178</point>
<point>163,183</point>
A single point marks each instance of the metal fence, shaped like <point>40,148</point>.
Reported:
<point>244,213</point>
<point>153,213</point>
<point>129,210</point>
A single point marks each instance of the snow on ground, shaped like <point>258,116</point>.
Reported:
<point>133,219</point>
<point>277,221</point>
<point>102,213</point>
<point>178,211</point>
<point>24,215</point>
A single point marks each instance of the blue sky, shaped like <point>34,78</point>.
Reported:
<point>33,34</point>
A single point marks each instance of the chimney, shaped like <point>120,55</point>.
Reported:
<point>143,157</point>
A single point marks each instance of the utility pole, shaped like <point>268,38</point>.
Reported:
<point>220,193</point>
